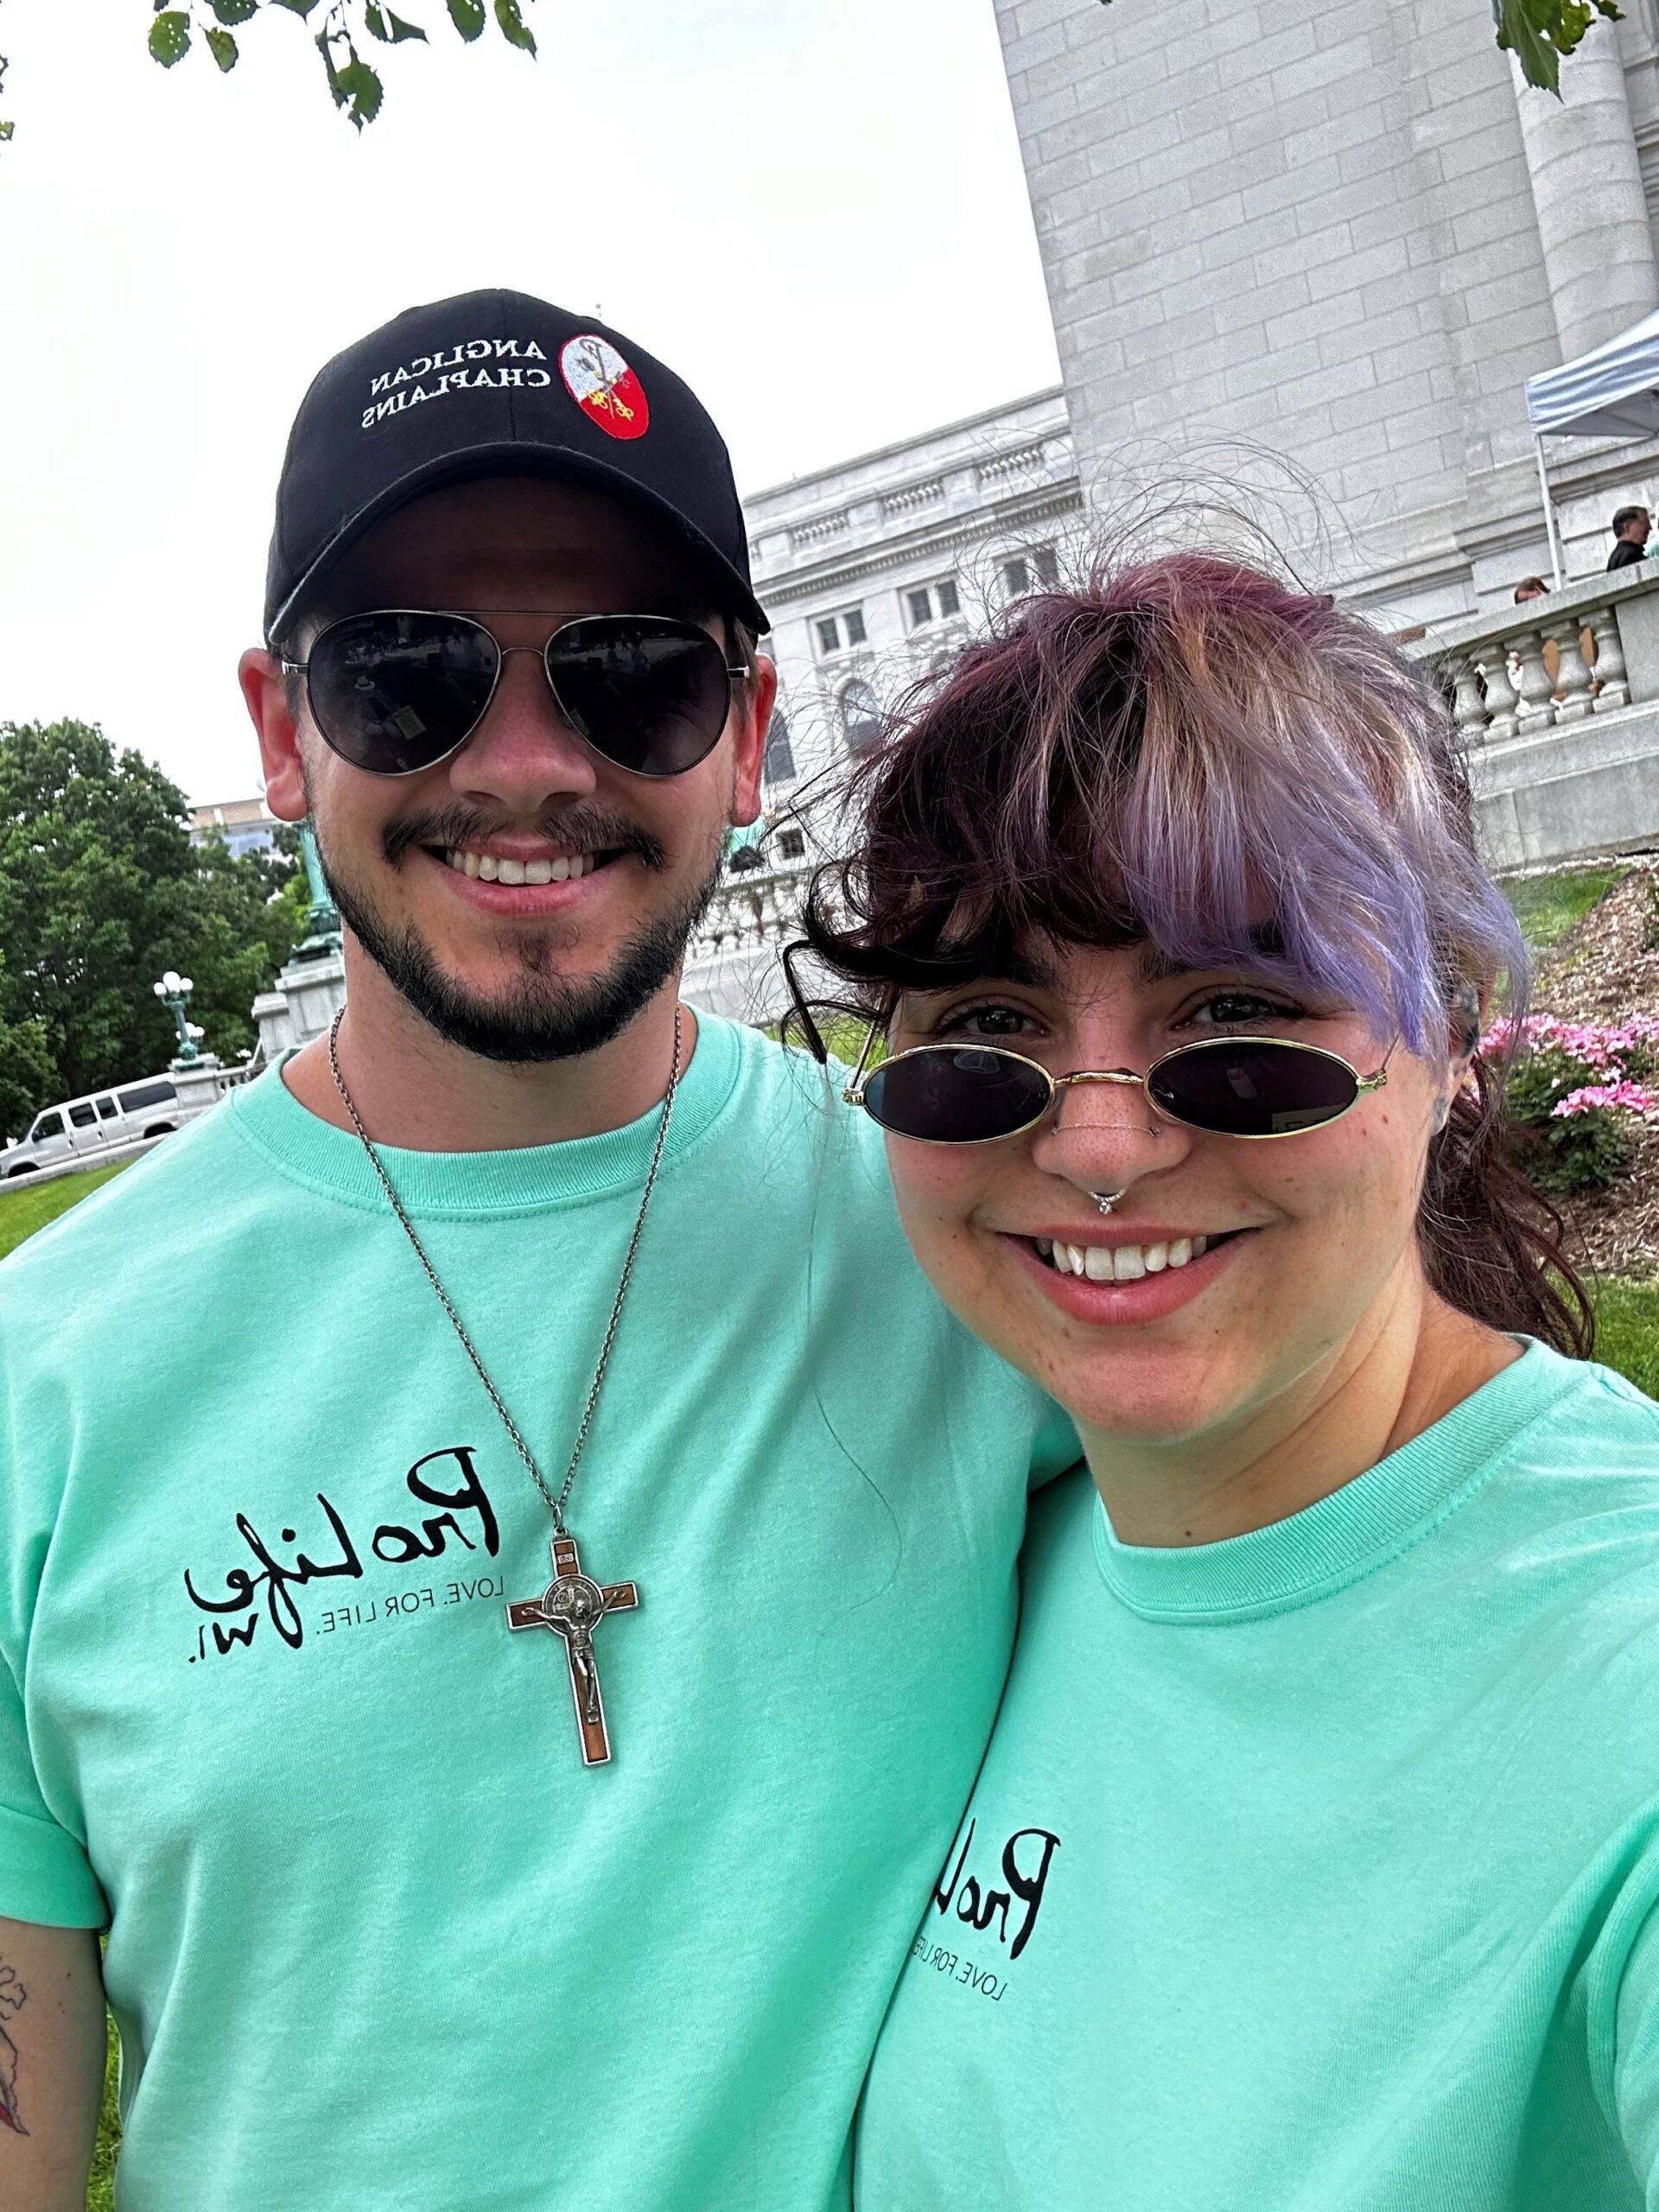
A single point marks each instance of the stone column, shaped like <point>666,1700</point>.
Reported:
<point>1586,186</point>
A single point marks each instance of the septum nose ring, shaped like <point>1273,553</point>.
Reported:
<point>1106,1199</point>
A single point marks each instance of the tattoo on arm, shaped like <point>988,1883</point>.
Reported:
<point>13,1997</point>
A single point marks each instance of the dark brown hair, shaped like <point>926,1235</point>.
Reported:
<point>1182,751</point>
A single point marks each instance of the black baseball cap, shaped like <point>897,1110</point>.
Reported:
<point>496,383</point>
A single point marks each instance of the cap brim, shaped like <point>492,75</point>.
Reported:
<point>517,458</point>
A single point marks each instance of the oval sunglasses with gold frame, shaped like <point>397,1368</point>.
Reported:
<point>987,1084</point>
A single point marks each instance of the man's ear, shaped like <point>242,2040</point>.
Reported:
<point>265,689</point>
<point>752,743</point>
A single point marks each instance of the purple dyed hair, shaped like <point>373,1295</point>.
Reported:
<point>1188,752</point>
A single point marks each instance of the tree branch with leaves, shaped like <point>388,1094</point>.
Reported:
<point>344,30</point>
<point>1539,33</point>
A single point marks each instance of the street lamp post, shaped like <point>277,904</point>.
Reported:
<point>173,991</point>
<point>322,919</point>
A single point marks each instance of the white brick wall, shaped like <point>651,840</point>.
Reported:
<point>1313,225</point>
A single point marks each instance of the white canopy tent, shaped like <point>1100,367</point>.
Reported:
<point>1610,393</point>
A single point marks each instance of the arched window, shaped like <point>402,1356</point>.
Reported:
<point>778,766</point>
<point>860,717</point>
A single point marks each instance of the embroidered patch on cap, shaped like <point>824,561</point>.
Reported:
<point>605,387</point>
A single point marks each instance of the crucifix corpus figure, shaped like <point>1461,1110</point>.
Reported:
<point>572,1606</point>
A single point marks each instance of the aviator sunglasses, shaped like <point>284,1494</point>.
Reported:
<point>1229,1086</point>
<point>399,690</point>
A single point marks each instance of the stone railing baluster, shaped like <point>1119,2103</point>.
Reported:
<point>1610,662</point>
<point>1503,699</point>
<point>1471,705</point>
<point>1572,682</point>
<point>1535,681</point>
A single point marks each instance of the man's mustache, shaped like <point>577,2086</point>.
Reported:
<point>583,829</point>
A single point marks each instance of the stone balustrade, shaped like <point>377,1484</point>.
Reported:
<point>1564,760</point>
<point>732,965</point>
<point>1557,701</point>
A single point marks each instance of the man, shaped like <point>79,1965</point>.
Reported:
<point>506,1574</point>
<point>1632,527</point>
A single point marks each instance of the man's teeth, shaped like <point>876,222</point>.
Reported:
<point>488,870</point>
<point>1121,1262</point>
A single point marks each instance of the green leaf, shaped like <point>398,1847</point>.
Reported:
<point>468,16</point>
<point>170,37</point>
<point>1539,33</point>
<point>223,48</point>
<point>295,7</point>
<point>359,90</point>
<point>377,23</point>
<point>516,31</point>
<point>401,30</point>
<point>234,11</point>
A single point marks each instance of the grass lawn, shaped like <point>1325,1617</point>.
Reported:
<point>1627,1315</point>
<point>1627,1329</point>
<point>1547,906</point>
<point>100,2191</point>
<point>25,1206</point>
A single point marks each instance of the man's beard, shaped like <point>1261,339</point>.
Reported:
<point>543,1016</point>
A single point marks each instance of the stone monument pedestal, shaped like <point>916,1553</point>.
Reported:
<point>199,1082</point>
<point>302,1003</point>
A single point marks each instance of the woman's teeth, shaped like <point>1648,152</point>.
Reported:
<point>1121,1262</point>
<point>488,870</point>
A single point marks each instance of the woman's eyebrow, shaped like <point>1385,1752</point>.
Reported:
<point>1029,969</point>
<point>1155,965</point>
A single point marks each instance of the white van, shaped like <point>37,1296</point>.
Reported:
<point>91,1125</point>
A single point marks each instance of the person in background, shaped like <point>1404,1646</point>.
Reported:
<point>1314,1863</point>
<point>1631,528</point>
<point>1530,587</point>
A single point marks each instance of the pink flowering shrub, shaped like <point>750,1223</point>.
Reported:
<point>1576,1092</point>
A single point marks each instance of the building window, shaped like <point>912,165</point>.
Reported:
<point>791,845</point>
<point>860,718</point>
<point>778,766</point>
<point>836,632</point>
<point>932,602</point>
<point>1036,571</point>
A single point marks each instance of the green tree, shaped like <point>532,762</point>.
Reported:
<point>100,891</point>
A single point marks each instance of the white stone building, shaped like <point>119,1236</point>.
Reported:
<point>872,570</point>
<point>1342,229</point>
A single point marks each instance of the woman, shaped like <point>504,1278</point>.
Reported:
<point>1314,1863</point>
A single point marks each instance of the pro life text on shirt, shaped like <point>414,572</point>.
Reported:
<point>392,1542</point>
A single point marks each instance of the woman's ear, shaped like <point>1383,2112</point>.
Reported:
<point>1466,1018</point>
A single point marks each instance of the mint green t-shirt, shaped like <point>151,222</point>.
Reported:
<point>1315,1871</point>
<point>376,1936</point>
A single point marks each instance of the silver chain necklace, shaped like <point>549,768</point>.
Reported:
<point>573,1605</point>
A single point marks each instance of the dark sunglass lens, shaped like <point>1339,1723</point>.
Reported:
<point>1253,1090</point>
<point>392,693</point>
<point>650,694</point>
<point>955,1095</point>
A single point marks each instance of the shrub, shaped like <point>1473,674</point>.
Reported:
<point>1577,1092</point>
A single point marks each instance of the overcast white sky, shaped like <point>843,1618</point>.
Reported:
<point>813,209</point>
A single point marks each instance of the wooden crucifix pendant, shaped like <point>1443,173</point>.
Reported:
<point>572,1606</point>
